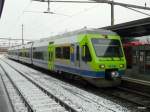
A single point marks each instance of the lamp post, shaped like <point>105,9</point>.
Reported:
<point>22,34</point>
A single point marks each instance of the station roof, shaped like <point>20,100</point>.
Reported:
<point>135,28</point>
<point>1,6</point>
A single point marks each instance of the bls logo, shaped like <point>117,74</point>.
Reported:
<point>112,66</point>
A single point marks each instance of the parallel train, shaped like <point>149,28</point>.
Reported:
<point>95,55</point>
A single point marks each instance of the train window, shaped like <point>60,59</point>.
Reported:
<point>26,54</point>
<point>34,55</point>
<point>66,52</point>
<point>58,52</point>
<point>20,53</point>
<point>87,55</point>
<point>45,53</point>
<point>77,53</point>
<point>107,47</point>
<point>38,55</point>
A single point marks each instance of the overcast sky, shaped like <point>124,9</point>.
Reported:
<point>69,17</point>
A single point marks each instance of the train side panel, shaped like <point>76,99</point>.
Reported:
<point>26,53</point>
<point>40,54</point>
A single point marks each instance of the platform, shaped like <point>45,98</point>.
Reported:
<point>131,74</point>
<point>138,82</point>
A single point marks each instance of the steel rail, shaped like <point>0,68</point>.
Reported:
<point>120,93</point>
<point>147,105</point>
<point>134,91</point>
<point>65,105</point>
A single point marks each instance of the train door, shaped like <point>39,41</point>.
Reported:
<point>77,63</point>
<point>85,57</point>
<point>51,56</point>
<point>72,54</point>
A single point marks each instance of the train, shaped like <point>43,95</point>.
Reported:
<point>95,55</point>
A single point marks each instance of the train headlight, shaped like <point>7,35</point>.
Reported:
<point>114,74</point>
<point>121,65</point>
<point>102,66</point>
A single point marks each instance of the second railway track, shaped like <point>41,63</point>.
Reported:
<point>141,100</point>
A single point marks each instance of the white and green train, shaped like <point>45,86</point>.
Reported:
<point>96,55</point>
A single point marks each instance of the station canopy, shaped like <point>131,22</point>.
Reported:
<point>135,28</point>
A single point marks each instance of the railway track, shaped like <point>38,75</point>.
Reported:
<point>140,99</point>
<point>83,101</point>
<point>137,85</point>
<point>31,97</point>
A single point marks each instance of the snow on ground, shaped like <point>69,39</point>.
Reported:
<point>87,101</point>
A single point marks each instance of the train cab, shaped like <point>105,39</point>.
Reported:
<point>103,58</point>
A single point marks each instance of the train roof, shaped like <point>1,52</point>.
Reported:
<point>28,45</point>
<point>12,48</point>
<point>86,31</point>
<point>39,43</point>
<point>70,35</point>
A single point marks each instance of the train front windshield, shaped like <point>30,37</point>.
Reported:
<point>107,47</point>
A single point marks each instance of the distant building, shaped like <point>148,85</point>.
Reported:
<point>3,50</point>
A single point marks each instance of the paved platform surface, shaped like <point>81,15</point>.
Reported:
<point>144,77</point>
<point>5,105</point>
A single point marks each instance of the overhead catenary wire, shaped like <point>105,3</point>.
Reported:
<point>75,14</point>
<point>129,6</point>
<point>68,16</point>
